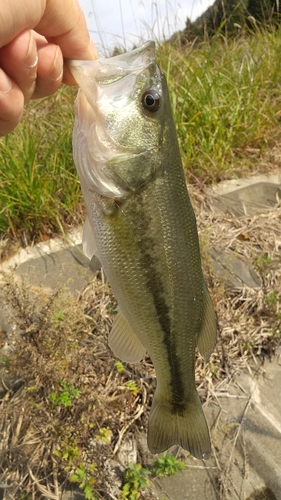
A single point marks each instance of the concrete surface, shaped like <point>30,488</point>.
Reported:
<point>236,270</point>
<point>247,196</point>
<point>246,422</point>
<point>246,434</point>
<point>54,262</point>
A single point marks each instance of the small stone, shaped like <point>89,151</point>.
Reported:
<point>128,451</point>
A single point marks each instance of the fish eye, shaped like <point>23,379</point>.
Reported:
<point>151,100</point>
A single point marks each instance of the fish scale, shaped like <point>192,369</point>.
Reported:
<point>143,228</point>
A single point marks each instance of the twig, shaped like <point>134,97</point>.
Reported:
<point>17,431</point>
<point>126,427</point>
<point>237,435</point>
<point>55,472</point>
<point>233,396</point>
<point>48,494</point>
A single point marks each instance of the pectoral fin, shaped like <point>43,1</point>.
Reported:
<point>124,342</point>
<point>89,241</point>
<point>208,335</point>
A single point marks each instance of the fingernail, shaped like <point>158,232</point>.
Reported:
<point>57,68</point>
<point>31,57</point>
<point>5,82</point>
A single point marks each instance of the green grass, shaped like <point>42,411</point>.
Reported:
<point>39,189</point>
<point>226,96</point>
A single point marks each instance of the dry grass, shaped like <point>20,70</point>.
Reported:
<point>58,339</point>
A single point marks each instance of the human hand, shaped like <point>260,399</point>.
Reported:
<point>35,39</point>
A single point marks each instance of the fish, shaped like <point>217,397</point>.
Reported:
<point>141,225</point>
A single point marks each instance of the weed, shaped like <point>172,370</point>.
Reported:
<point>119,366</point>
<point>83,476</point>
<point>272,298</point>
<point>63,397</point>
<point>262,262</point>
<point>135,478</point>
<point>168,465</point>
<point>32,388</point>
<point>57,318</point>
<point>68,453</point>
<point>214,369</point>
<point>5,360</point>
<point>111,309</point>
<point>273,301</point>
<point>246,346</point>
<point>105,434</point>
<point>132,387</point>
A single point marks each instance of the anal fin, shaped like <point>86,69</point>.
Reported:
<point>124,342</point>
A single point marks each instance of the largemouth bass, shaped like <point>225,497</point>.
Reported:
<point>141,224</point>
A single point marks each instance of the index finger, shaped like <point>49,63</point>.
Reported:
<point>64,24</point>
<point>60,21</point>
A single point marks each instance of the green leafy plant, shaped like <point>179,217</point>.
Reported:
<point>111,309</point>
<point>68,453</point>
<point>119,366</point>
<point>272,298</point>
<point>214,369</point>
<point>132,387</point>
<point>5,360</point>
<point>135,478</point>
<point>105,434</point>
<point>58,318</point>
<point>262,262</point>
<point>247,346</point>
<point>168,465</point>
<point>83,476</point>
<point>64,397</point>
<point>273,301</point>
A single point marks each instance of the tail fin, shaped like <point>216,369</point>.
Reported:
<point>187,428</point>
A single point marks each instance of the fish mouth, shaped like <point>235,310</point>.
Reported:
<point>138,57</point>
<point>112,68</point>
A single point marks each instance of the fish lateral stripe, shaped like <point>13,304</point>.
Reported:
<point>155,285</point>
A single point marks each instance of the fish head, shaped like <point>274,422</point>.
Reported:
<point>119,121</point>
